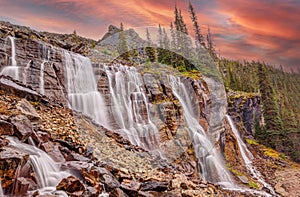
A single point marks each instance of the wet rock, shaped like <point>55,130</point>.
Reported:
<point>27,109</point>
<point>3,141</point>
<point>53,150</point>
<point>72,185</point>
<point>6,128</point>
<point>117,192</point>
<point>23,127</point>
<point>109,182</point>
<point>21,186</point>
<point>131,187</point>
<point>244,179</point>
<point>11,159</point>
<point>154,186</point>
<point>91,192</point>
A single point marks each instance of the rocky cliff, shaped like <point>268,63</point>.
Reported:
<point>123,130</point>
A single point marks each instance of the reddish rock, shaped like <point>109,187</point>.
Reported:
<point>3,141</point>
<point>117,192</point>
<point>72,185</point>
<point>21,186</point>
<point>6,128</point>
<point>27,109</point>
<point>23,127</point>
<point>154,186</point>
<point>53,150</point>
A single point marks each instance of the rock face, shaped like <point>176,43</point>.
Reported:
<point>34,108</point>
<point>246,109</point>
<point>114,164</point>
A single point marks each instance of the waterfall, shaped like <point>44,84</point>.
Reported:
<point>247,157</point>
<point>129,106</point>
<point>46,169</point>
<point>42,89</point>
<point>1,190</point>
<point>209,160</point>
<point>82,87</point>
<point>12,70</point>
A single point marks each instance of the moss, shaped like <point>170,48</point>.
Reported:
<point>251,141</point>
<point>274,154</point>
<point>253,185</point>
<point>194,74</point>
<point>33,103</point>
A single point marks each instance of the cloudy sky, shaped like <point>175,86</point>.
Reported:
<point>267,30</point>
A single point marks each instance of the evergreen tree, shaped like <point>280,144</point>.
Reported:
<point>210,44</point>
<point>273,122</point>
<point>173,36</point>
<point>149,41</point>
<point>150,50</point>
<point>122,44</point>
<point>198,36</point>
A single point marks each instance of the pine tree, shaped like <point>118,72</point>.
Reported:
<point>122,44</point>
<point>160,36</point>
<point>173,37</point>
<point>273,126</point>
<point>149,49</point>
<point>210,44</point>
<point>149,41</point>
<point>198,36</point>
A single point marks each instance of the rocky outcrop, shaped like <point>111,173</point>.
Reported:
<point>112,163</point>
<point>245,108</point>
<point>71,42</point>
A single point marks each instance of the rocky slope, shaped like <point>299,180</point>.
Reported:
<point>97,159</point>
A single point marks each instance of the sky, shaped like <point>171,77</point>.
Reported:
<point>265,30</point>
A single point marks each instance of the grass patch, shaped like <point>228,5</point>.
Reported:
<point>274,154</point>
<point>253,185</point>
<point>251,141</point>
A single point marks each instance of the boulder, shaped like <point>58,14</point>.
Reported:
<point>6,128</point>
<point>53,150</point>
<point>154,186</point>
<point>117,192</point>
<point>28,110</point>
<point>72,186</point>
<point>11,160</point>
<point>3,141</point>
<point>23,127</point>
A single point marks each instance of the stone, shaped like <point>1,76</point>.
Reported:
<point>72,185</point>
<point>109,182</point>
<point>53,150</point>
<point>3,141</point>
<point>6,128</point>
<point>28,110</point>
<point>91,192</point>
<point>244,179</point>
<point>21,186</point>
<point>117,192</point>
<point>11,160</point>
<point>23,127</point>
<point>154,186</point>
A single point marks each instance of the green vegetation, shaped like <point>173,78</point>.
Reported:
<point>280,96</point>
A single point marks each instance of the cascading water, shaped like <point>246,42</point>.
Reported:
<point>1,190</point>
<point>42,89</point>
<point>82,87</point>
<point>209,160</point>
<point>247,157</point>
<point>130,107</point>
<point>46,169</point>
<point>13,69</point>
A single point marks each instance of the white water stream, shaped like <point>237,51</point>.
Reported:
<point>47,171</point>
<point>129,106</point>
<point>247,157</point>
<point>12,70</point>
<point>82,87</point>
